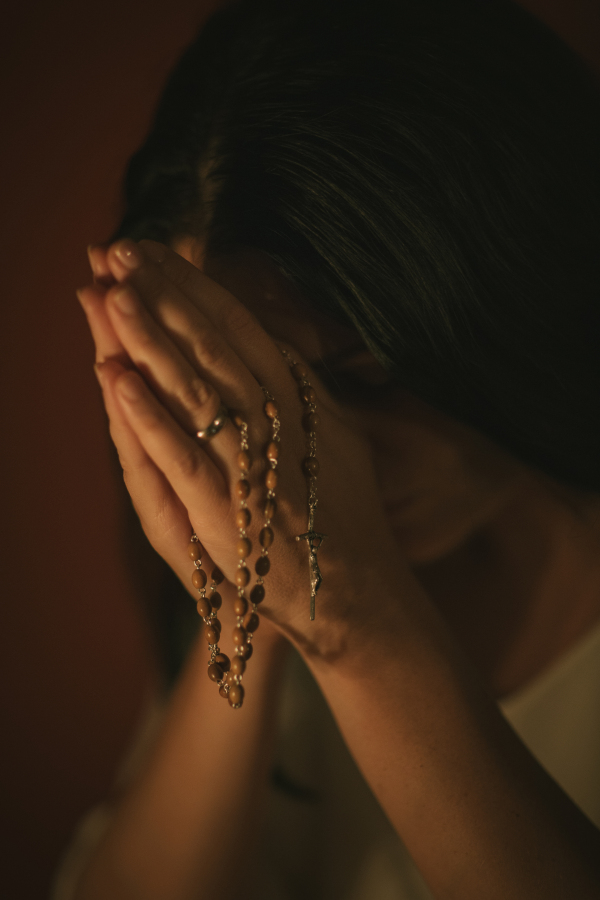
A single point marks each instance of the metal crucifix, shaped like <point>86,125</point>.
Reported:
<point>312,536</point>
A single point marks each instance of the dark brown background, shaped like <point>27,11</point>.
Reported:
<point>78,83</point>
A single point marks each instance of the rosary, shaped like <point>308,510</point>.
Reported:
<point>226,672</point>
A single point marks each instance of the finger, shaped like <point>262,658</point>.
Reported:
<point>108,345</point>
<point>155,270</point>
<point>192,474</point>
<point>163,516</point>
<point>190,329</point>
<point>99,264</point>
<point>190,399</point>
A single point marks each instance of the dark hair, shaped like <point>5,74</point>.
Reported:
<point>427,170</point>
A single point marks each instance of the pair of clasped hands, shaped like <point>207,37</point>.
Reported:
<point>171,345</point>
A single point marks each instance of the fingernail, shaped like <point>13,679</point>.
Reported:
<point>129,386</point>
<point>98,372</point>
<point>92,261</point>
<point>129,254</point>
<point>124,299</point>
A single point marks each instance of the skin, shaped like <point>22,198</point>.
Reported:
<point>450,527</point>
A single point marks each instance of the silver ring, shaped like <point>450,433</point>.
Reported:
<point>215,426</point>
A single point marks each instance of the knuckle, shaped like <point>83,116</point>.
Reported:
<point>209,349</point>
<point>188,463</point>
<point>196,394</point>
<point>237,320</point>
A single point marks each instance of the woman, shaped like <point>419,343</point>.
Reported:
<point>400,201</point>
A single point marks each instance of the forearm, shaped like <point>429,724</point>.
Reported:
<point>479,815</point>
<point>180,833</point>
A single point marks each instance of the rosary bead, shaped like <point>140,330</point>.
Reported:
<point>308,394</point>
<point>270,508</point>
<point>242,489</point>
<point>266,537</point>
<point>299,371</point>
<point>244,548</point>
<point>211,634</point>
<point>195,550</point>
<point>271,409</point>
<point>245,651</point>
<point>216,623</point>
<point>271,479</point>
<point>239,636</point>
<point>199,578</point>
<point>310,421</point>
<point>215,672</point>
<point>272,451</point>
<point>215,600</point>
<point>223,691</point>
<point>242,576</point>
<point>238,666</point>
<point>230,679</point>
<point>242,518</point>
<point>257,594</point>
<point>204,608</point>
<point>217,576</point>
<point>262,565</point>
<point>311,466</point>
<point>251,623</point>
<point>222,660</point>
<point>243,460</point>
<point>236,695</point>
<point>240,606</point>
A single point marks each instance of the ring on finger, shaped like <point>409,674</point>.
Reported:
<point>205,434</point>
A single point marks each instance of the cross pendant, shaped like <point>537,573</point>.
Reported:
<point>315,573</point>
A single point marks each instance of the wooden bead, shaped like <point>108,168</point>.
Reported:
<point>311,466</point>
<point>216,600</point>
<point>230,679</point>
<point>299,371</point>
<point>244,548</point>
<point>266,537</point>
<point>239,636</point>
<point>242,518</point>
<point>195,550</point>
<point>211,634</point>
<point>204,608</point>
<point>262,566</point>
<point>245,651</point>
<point>308,394</point>
<point>243,460</point>
<point>223,691</point>
<point>272,451</point>
<point>257,594</point>
<point>236,695</point>
<point>217,576</point>
<point>270,508</point>
<point>240,606</point>
<point>271,479</point>
<point>251,623</point>
<point>271,409</point>
<point>215,672</point>
<point>199,578</point>
<point>238,666</point>
<point>223,661</point>
<point>242,576</point>
<point>216,623</point>
<point>310,422</point>
<point>242,489</point>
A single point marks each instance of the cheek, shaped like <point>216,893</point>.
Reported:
<point>435,491</point>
